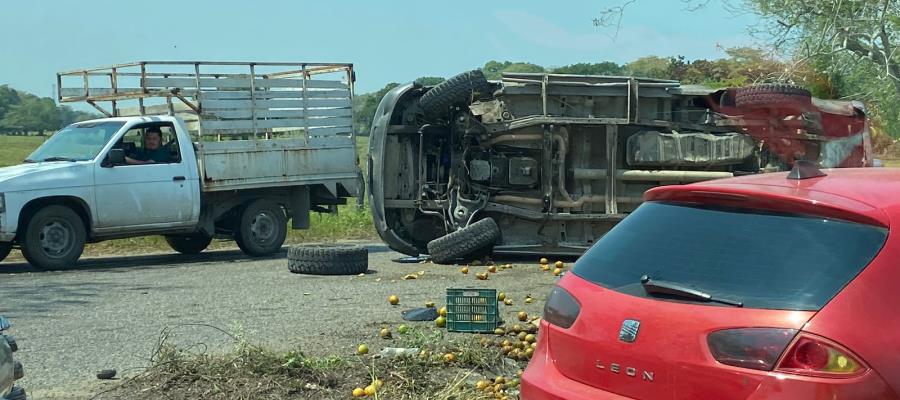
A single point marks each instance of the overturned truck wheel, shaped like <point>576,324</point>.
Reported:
<point>328,260</point>
<point>464,242</point>
<point>458,89</point>
<point>774,96</point>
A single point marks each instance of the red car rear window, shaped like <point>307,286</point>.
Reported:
<point>765,260</point>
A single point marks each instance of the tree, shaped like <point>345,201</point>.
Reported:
<point>429,80</point>
<point>601,68</point>
<point>32,114</point>
<point>364,107</point>
<point>495,69</point>
<point>650,67</point>
<point>8,98</point>
<point>869,30</point>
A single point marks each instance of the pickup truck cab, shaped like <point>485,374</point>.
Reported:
<point>95,180</point>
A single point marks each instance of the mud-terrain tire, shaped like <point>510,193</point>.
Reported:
<point>54,238</point>
<point>262,229</point>
<point>458,89</point>
<point>189,244</point>
<point>464,242</point>
<point>328,260</point>
<point>5,249</point>
<point>773,96</point>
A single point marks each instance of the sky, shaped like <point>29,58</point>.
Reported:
<point>387,41</point>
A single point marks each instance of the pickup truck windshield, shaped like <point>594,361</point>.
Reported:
<point>76,142</point>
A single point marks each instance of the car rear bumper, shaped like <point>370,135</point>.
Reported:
<point>543,381</point>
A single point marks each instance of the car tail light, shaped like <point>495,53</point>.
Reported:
<point>754,348</point>
<point>561,308</point>
<point>816,356</point>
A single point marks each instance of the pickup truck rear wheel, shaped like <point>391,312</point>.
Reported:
<point>5,248</point>
<point>54,238</point>
<point>263,228</point>
<point>464,242</point>
<point>189,244</point>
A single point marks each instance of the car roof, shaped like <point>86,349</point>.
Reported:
<point>869,195</point>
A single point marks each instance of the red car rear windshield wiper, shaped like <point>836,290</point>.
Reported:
<point>679,290</point>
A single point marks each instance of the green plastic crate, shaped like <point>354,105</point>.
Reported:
<point>472,310</point>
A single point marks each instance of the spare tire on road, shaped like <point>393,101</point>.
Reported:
<point>458,89</point>
<point>773,96</point>
<point>464,242</point>
<point>328,259</point>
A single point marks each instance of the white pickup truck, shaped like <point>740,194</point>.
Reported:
<point>223,153</point>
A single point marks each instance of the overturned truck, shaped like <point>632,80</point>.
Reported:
<point>547,163</point>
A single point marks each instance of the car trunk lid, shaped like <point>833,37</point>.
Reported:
<point>649,349</point>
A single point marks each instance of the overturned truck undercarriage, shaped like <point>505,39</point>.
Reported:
<point>544,163</point>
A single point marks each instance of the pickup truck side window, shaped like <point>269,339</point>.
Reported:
<point>151,144</point>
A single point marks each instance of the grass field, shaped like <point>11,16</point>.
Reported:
<point>14,149</point>
<point>348,223</point>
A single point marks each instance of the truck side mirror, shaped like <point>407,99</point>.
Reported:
<point>115,157</point>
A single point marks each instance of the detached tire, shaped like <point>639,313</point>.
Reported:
<point>328,260</point>
<point>53,238</point>
<point>189,244</point>
<point>458,89</point>
<point>263,228</point>
<point>464,242</point>
<point>5,249</point>
<point>773,96</point>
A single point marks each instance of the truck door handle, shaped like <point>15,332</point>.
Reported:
<point>178,178</point>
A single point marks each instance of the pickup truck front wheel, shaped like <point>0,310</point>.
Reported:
<point>189,244</point>
<point>5,248</point>
<point>263,228</point>
<point>54,238</point>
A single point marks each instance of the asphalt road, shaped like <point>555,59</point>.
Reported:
<point>110,312</point>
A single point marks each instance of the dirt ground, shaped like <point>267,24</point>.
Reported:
<point>110,312</point>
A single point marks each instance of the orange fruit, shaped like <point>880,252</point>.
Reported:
<point>559,264</point>
<point>449,357</point>
<point>442,311</point>
<point>362,349</point>
<point>464,270</point>
<point>545,261</point>
<point>359,392</point>
<point>370,390</point>
<point>441,322</point>
<point>492,269</point>
<point>393,299</point>
<point>523,316</point>
<point>557,271</point>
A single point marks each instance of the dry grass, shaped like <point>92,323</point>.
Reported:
<point>253,372</point>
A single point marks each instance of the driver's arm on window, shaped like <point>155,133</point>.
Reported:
<point>133,161</point>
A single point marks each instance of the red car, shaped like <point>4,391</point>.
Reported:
<point>773,286</point>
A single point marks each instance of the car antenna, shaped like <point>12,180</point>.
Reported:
<point>805,169</point>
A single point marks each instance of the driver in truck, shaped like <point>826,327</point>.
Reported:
<point>153,151</point>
